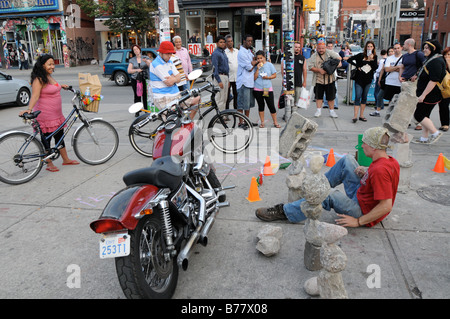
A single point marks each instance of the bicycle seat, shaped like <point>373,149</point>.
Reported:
<point>32,115</point>
<point>164,173</point>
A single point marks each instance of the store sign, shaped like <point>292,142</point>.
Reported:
<point>23,6</point>
<point>196,48</point>
<point>412,9</point>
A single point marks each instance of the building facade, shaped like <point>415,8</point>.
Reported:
<point>437,22</point>
<point>48,26</point>
<point>400,20</point>
<point>203,20</point>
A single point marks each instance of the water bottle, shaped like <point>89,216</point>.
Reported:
<point>88,91</point>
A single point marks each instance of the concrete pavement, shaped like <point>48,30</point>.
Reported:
<point>47,243</point>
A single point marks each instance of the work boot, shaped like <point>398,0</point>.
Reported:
<point>269,214</point>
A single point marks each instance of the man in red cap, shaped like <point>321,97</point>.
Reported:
<point>164,77</point>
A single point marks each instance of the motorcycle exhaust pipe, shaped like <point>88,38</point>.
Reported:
<point>205,230</point>
<point>183,256</point>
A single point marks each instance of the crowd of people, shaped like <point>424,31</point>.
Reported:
<point>244,77</point>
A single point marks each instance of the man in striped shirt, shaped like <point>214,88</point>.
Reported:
<point>164,78</point>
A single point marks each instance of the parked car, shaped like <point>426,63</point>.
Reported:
<point>201,62</point>
<point>14,90</point>
<point>355,49</point>
<point>116,64</point>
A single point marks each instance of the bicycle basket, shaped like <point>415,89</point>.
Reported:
<point>91,103</point>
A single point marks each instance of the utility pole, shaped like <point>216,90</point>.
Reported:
<point>288,12</point>
<point>267,30</point>
<point>164,22</point>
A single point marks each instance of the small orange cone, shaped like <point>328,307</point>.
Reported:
<point>440,166</point>
<point>268,167</point>
<point>253,194</point>
<point>331,160</point>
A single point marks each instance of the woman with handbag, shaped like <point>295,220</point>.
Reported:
<point>366,65</point>
<point>380,83</point>
<point>428,93</point>
<point>138,65</point>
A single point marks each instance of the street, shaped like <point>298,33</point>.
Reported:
<point>49,251</point>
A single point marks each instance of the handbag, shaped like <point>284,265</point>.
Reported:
<point>330,65</point>
<point>281,101</point>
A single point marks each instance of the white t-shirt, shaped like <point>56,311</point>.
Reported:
<point>392,77</point>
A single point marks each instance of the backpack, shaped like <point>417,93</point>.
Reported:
<point>444,85</point>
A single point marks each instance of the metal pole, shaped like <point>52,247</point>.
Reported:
<point>164,22</point>
<point>267,30</point>
<point>288,42</point>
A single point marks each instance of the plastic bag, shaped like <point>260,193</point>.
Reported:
<point>305,98</point>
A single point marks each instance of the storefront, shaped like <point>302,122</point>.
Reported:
<point>36,28</point>
<point>203,21</point>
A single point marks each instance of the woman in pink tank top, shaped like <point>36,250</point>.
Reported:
<point>46,97</point>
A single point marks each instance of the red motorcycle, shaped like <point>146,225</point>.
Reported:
<point>151,226</point>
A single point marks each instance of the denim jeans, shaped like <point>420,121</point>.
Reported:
<point>341,173</point>
<point>361,94</point>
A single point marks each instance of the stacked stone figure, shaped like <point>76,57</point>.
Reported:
<point>314,189</point>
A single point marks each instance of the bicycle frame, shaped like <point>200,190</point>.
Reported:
<point>46,140</point>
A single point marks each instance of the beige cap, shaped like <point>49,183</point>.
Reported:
<point>373,137</point>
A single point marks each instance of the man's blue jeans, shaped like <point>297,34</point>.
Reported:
<point>343,172</point>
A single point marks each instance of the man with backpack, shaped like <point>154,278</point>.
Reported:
<point>322,81</point>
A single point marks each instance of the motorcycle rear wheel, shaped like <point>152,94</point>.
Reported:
<point>145,274</point>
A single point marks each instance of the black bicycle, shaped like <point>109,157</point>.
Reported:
<point>229,131</point>
<point>23,154</point>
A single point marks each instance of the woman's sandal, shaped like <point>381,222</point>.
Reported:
<point>354,120</point>
<point>363,119</point>
<point>52,169</point>
<point>261,125</point>
<point>277,125</point>
<point>72,162</point>
<point>444,128</point>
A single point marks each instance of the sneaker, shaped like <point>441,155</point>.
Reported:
<point>318,113</point>
<point>333,114</point>
<point>377,114</point>
<point>243,126</point>
<point>269,214</point>
<point>325,106</point>
<point>336,107</point>
<point>434,138</point>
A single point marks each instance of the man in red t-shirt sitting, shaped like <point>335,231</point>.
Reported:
<point>369,195</point>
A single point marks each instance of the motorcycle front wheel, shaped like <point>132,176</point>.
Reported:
<point>145,273</point>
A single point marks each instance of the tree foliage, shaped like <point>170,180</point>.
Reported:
<point>124,15</point>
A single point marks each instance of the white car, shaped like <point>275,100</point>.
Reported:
<point>14,90</point>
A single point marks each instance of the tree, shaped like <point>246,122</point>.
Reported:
<point>124,15</point>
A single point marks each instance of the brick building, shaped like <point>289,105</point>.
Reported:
<point>437,22</point>
<point>56,27</point>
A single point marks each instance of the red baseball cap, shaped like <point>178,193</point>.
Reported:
<point>166,47</point>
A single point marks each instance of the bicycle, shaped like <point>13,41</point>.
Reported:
<point>22,154</point>
<point>226,129</point>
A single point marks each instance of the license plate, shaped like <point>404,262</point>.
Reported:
<point>115,245</point>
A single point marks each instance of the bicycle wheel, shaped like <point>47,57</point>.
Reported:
<point>95,143</point>
<point>20,161</point>
<point>227,134</point>
<point>142,134</point>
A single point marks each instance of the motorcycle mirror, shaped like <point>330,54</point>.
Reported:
<point>136,107</point>
<point>195,74</point>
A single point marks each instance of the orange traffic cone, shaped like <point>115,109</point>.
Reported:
<point>331,160</point>
<point>440,166</point>
<point>268,167</point>
<point>253,194</point>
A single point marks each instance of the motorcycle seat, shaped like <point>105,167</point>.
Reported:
<point>163,173</point>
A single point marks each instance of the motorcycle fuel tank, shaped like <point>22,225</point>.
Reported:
<point>180,142</point>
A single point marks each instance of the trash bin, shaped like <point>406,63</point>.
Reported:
<point>361,158</point>
<point>306,52</point>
